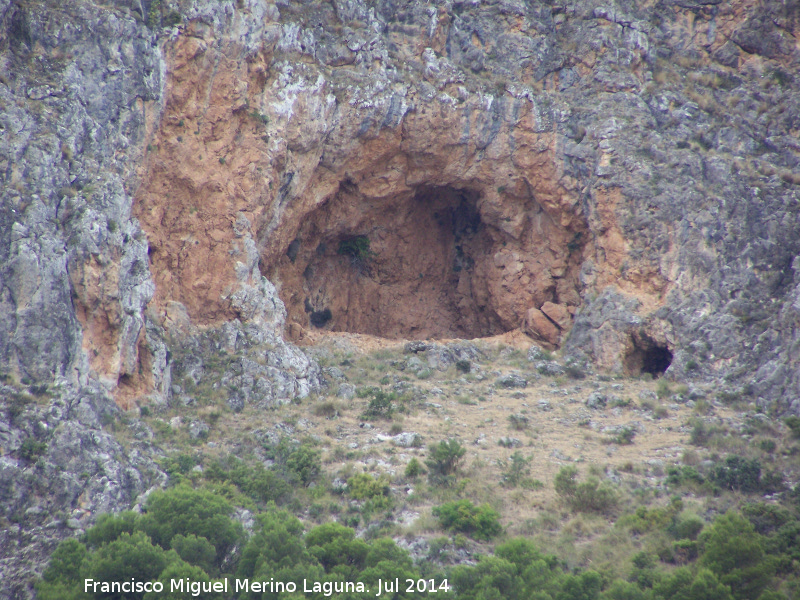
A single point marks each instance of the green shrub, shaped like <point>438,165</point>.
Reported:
<point>154,14</point>
<point>356,247</point>
<point>588,496</point>
<point>772,482</point>
<point>195,550</point>
<point>681,583</point>
<point>413,468</point>
<point>444,459</point>
<point>738,474</point>
<point>180,570</point>
<point>277,541</point>
<point>172,18</point>
<point>131,556</point>
<point>31,449</point>
<point>517,471</point>
<point>109,527</point>
<point>380,403</point>
<point>304,462</point>
<point>700,434</point>
<point>334,545</point>
<point>732,550</point>
<point>624,436</point>
<point>256,481</point>
<point>364,486</point>
<point>793,423</point>
<point>687,527</point>
<point>644,519</point>
<point>683,475</point>
<point>65,563</point>
<point>182,510</point>
<point>766,518</point>
<point>480,522</point>
<point>566,481</point>
<point>518,422</point>
<point>326,409</point>
<point>574,371</point>
<point>768,446</point>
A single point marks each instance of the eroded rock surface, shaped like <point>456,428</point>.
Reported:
<point>184,188</point>
<point>510,165</point>
<point>61,466</point>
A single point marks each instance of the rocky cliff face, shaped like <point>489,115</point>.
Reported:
<point>184,179</point>
<point>619,179</point>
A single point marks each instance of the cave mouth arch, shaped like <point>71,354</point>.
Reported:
<point>426,263</point>
<point>648,356</point>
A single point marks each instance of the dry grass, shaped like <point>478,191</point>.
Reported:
<point>560,430</point>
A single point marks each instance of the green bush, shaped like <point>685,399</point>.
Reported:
<point>443,460</point>
<point>738,474</point>
<point>178,571</point>
<point>683,475</point>
<point>768,446</point>
<point>518,422</point>
<point>195,550</point>
<point>480,522</point>
<point>793,423</point>
<point>65,563</point>
<point>566,481</point>
<point>624,436</point>
<point>182,510</point>
<point>31,449</point>
<point>335,545</point>
<point>682,584</point>
<point>517,471</point>
<point>356,247</point>
<point>304,462</point>
<point>518,571</point>
<point>128,557</point>
<point>654,519</point>
<point>172,18</point>
<point>413,469</point>
<point>732,550</point>
<point>277,542</point>
<point>574,371</point>
<point>380,402</point>
<point>256,481</point>
<point>700,435</point>
<point>766,518</point>
<point>687,527</point>
<point>588,496</point>
<point>376,492</point>
<point>109,527</point>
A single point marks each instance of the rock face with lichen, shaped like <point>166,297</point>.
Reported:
<point>188,179</point>
<point>579,171</point>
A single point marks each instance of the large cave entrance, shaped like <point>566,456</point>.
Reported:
<point>425,263</point>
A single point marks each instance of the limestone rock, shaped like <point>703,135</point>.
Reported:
<point>597,400</point>
<point>512,380</point>
<point>539,327</point>
<point>558,314</point>
<point>166,222</point>
<point>549,368</point>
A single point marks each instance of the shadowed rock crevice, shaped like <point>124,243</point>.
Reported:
<point>648,356</point>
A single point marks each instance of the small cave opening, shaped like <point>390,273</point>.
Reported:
<point>648,356</point>
<point>425,263</point>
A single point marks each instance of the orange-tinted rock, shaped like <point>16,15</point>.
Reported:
<point>539,327</point>
<point>558,314</point>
